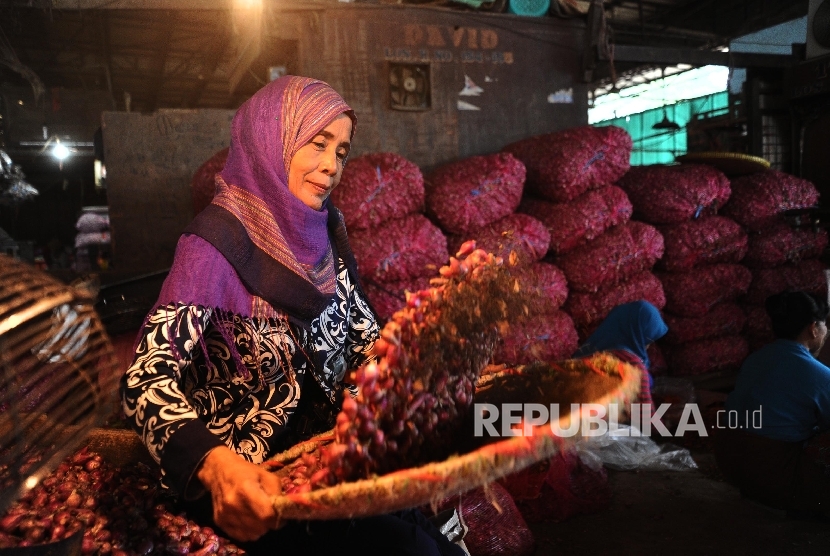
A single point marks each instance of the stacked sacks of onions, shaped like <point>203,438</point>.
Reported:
<point>588,309</point>
<point>378,187</point>
<point>759,199</point>
<point>526,237</point>
<point>572,225</point>
<point>782,257</point>
<point>706,240</point>
<point>397,257</point>
<point>613,257</point>
<point>563,165</point>
<point>806,275</point>
<point>758,326</point>
<point>544,333</point>
<point>475,192</point>
<point>699,268</point>
<point>576,222</point>
<point>780,244</point>
<point>382,197</point>
<point>698,295</point>
<point>464,197</point>
<point>610,270</point>
<point>569,188</point>
<point>704,332</point>
<point>672,194</point>
<point>386,298</point>
<point>408,248</point>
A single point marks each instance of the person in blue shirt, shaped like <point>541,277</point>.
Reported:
<point>780,404</point>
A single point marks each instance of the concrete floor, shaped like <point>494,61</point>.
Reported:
<point>675,513</point>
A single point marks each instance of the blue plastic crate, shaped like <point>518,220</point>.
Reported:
<point>528,7</point>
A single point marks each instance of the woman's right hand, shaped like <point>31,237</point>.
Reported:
<point>241,494</point>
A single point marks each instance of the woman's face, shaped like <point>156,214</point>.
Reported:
<point>316,167</point>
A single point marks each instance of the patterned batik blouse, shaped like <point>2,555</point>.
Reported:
<point>185,374</point>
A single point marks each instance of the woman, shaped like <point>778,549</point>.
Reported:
<point>780,402</point>
<point>256,325</point>
<point>627,331</point>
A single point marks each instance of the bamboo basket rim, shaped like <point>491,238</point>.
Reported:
<point>727,162</point>
<point>436,481</point>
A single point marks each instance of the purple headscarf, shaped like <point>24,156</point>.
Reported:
<point>257,240</point>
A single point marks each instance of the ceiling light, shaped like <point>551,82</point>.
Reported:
<point>666,123</point>
<point>60,151</point>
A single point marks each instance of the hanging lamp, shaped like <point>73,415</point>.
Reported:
<point>665,123</point>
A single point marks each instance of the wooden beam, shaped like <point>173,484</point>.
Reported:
<point>137,4</point>
<point>210,61</point>
<point>246,43</point>
<point>672,56</point>
<point>163,41</point>
<point>105,52</point>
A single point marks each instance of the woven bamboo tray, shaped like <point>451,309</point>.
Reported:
<point>731,164</point>
<point>620,383</point>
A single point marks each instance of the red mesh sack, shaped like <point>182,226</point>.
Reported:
<point>613,257</point>
<point>496,528</point>
<point>724,319</point>
<point>758,326</point>
<point>378,187</point>
<point>581,220</point>
<point>780,244</point>
<point>709,240</point>
<point>671,194</point>
<point>526,483</point>
<point>538,337</point>
<point>656,359</point>
<point>694,293</point>
<point>474,192</point>
<point>203,184</point>
<point>807,276</point>
<point>388,298</point>
<point>519,233</point>
<point>589,308</point>
<point>570,488</point>
<point>546,283</point>
<point>706,356</point>
<point>758,198</point>
<point>562,166</point>
<point>400,249</point>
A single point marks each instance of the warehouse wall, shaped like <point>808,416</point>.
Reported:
<point>494,79</point>
<point>151,159</point>
<point>521,75</point>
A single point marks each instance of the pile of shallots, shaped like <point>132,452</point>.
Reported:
<point>412,400</point>
<point>120,511</point>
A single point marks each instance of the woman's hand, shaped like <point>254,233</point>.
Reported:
<point>241,493</point>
